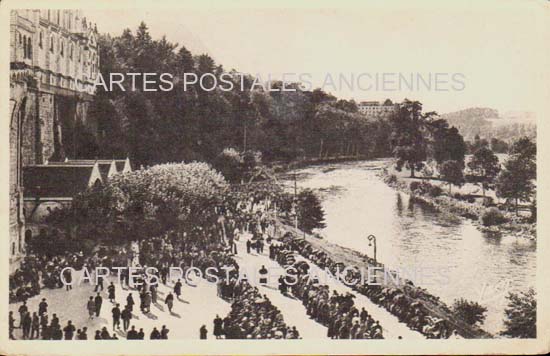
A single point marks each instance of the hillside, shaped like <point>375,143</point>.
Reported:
<point>488,123</point>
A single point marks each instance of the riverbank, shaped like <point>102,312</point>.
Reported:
<point>281,168</point>
<point>448,204</point>
<point>415,295</point>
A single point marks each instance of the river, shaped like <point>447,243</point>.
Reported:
<point>447,255</point>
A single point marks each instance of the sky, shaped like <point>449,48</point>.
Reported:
<point>498,48</point>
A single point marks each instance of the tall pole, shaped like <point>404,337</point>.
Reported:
<point>372,239</point>
<point>295,202</point>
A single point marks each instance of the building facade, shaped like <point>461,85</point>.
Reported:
<point>376,109</point>
<point>54,61</point>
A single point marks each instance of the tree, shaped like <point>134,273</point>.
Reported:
<point>485,166</point>
<point>149,202</point>
<point>521,315</point>
<point>525,150</point>
<point>520,170</point>
<point>310,212</point>
<point>471,312</point>
<point>478,142</point>
<point>407,139</point>
<point>499,146</point>
<point>446,143</point>
<point>451,172</point>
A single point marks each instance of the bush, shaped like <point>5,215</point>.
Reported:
<point>392,179</point>
<point>488,201</point>
<point>414,186</point>
<point>310,211</point>
<point>435,191</point>
<point>470,312</point>
<point>521,315</point>
<point>492,216</point>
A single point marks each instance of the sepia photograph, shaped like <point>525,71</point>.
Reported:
<point>356,177</point>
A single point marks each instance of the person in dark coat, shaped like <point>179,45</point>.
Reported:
<point>248,246</point>
<point>130,302</point>
<point>111,291</point>
<point>22,310</point>
<point>99,284</point>
<point>263,275</point>
<point>11,325</point>
<point>218,329</point>
<point>55,320</point>
<point>132,334</point>
<point>90,306</point>
<point>164,333</point>
<point>169,301</point>
<point>203,332</point>
<point>126,316</point>
<point>155,335</point>
<point>68,276</point>
<point>177,289</point>
<point>57,334</point>
<point>116,316</point>
<point>97,335</point>
<point>43,322</point>
<point>26,323</point>
<point>83,335</point>
<point>35,326</point>
<point>98,301</point>
<point>69,330</point>
<point>42,307</point>
<point>46,332</point>
<point>141,334</point>
<point>105,334</point>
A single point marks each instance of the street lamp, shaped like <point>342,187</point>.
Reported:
<point>372,240</point>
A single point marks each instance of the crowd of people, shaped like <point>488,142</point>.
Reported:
<point>402,302</point>
<point>212,244</point>
<point>252,316</point>
<point>334,310</point>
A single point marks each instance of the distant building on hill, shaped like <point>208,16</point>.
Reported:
<point>376,109</point>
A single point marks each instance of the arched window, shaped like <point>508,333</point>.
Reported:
<point>51,43</point>
<point>71,52</point>
<point>24,46</point>
<point>62,48</point>
<point>40,38</point>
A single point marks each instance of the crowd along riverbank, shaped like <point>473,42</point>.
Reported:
<point>405,300</point>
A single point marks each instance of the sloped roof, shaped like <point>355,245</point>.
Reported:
<point>56,181</point>
<point>103,165</point>
<point>119,163</point>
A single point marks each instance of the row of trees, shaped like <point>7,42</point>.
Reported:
<point>145,203</point>
<point>417,137</point>
<point>187,124</point>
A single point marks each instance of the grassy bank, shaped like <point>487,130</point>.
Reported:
<point>431,193</point>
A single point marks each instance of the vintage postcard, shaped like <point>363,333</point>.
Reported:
<point>283,177</point>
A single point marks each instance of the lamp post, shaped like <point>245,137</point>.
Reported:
<point>372,240</point>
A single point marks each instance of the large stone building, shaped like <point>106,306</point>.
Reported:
<point>376,109</point>
<point>53,66</point>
